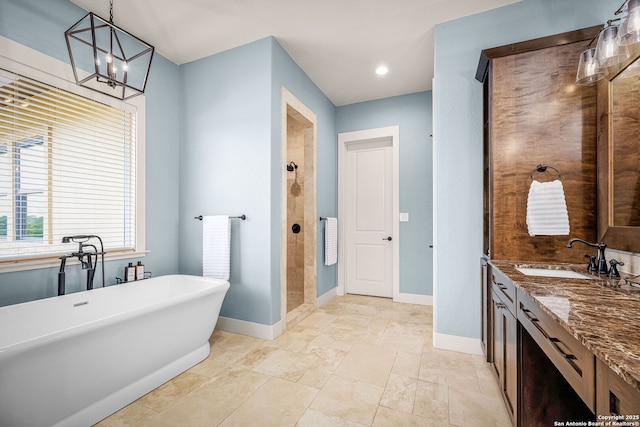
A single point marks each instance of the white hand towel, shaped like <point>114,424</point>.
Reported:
<point>216,246</point>
<point>547,209</point>
<point>330,241</point>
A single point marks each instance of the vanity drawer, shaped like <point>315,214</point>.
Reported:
<point>504,288</point>
<point>614,395</point>
<point>574,361</point>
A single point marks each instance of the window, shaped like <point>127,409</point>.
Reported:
<point>67,167</point>
<point>28,188</point>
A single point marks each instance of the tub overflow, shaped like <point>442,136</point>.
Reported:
<point>78,304</point>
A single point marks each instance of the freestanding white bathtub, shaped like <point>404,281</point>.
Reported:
<point>74,359</point>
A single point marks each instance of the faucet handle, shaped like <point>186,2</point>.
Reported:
<point>613,272</point>
<point>592,263</point>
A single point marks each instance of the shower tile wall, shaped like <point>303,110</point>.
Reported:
<point>311,219</point>
<point>295,214</point>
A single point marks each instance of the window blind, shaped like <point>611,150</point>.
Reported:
<point>67,167</point>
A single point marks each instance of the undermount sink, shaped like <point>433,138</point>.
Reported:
<point>547,272</point>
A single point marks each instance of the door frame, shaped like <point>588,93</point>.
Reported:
<point>344,140</point>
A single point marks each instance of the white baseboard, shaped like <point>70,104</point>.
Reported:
<point>326,297</point>
<point>252,329</point>
<point>456,343</point>
<point>414,299</point>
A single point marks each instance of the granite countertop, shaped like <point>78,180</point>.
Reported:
<point>602,313</point>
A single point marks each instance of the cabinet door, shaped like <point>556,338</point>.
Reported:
<point>505,353</point>
<point>497,340</point>
<point>511,363</point>
<point>487,323</point>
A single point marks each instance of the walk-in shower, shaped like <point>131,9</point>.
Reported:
<point>299,222</point>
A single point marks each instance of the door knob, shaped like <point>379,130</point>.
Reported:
<point>388,238</point>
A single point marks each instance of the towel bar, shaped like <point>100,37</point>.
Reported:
<point>323,218</point>
<point>242,217</point>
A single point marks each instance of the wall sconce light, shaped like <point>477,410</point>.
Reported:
<point>588,69</point>
<point>108,59</point>
<point>608,51</point>
<point>629,31</point>
<point>612,45</point>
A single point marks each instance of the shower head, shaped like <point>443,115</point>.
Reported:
<point>291,167</point>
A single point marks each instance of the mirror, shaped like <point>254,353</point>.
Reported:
<point>619,157</point>
<point>625,148</point>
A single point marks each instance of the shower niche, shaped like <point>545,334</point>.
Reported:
<point>299,221</point>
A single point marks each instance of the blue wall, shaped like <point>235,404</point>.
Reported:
<point>41,25</point>
<point>458,141</point>
<point>230,164</point>
<point>413,114</point>
<point>224,170</point>
<point>287,74</point>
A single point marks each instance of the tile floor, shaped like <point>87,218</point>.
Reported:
<point>357,361</point>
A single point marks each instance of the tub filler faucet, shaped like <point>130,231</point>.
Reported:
<point>601,267</point>
<point>88,259</point>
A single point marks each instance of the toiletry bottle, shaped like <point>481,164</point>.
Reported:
<point>130,273</point>
<point>139,271</point>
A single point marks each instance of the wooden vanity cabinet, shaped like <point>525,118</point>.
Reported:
<point>573,360</point>
<point>545,374</point>
<point>614,396</point>
<point>504,338</point>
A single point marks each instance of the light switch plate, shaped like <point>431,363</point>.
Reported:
<point>404,217</point>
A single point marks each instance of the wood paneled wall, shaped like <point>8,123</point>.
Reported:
<point>538,115</point>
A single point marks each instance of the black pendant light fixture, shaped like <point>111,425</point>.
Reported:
<point>108,59</point>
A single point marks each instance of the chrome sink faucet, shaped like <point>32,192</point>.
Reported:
<point>602,262</point>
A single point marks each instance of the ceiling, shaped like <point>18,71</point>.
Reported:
<point>338,43</point>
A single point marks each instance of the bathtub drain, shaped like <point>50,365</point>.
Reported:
<point>78,304</point>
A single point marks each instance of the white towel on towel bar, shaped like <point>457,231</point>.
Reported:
<point>330,241</point>
<point>216,246</point>
<point>547,209</point>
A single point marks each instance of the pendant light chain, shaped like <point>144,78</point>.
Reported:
<point>110,60</point>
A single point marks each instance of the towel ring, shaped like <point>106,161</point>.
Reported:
<point>543,168</point>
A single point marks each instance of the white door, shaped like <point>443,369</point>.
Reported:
<point>369,218</point>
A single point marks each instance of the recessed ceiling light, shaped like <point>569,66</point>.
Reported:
<point>382,70</point>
